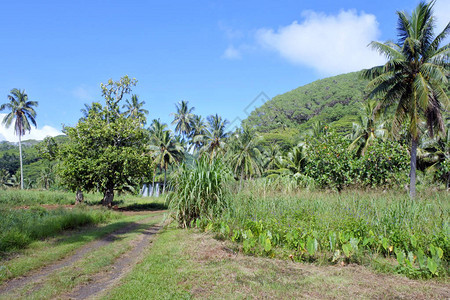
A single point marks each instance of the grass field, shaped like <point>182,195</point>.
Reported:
<point>349,227</point>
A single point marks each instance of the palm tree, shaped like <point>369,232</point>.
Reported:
<point>215,135</point>
<point>22,112</point>
<point>366,129</point>
<point>156,130</point>
<point>95,107</point>
<point>198,128</point>
<point>135,110</point>
<point>412,79</point>
<point>272,156</point>
<point>166,152</point>
<point>183,118</point>
<point>245,156</point>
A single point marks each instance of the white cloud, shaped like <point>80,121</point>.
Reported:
<point>331,44</point>
<point>231,53</point>
<point>35,133</point>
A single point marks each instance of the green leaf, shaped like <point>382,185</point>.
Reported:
<point>267,245</point>
<point>432,266</point>
<point>347,248</point>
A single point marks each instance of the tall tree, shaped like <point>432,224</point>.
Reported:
<point>183,118</point>
<point>215,135</point>
<point>22,113</point>
<point>413,78</point>
<point>367,128</point>
<point>134,109</point>
<point>198,128</point>
<point>106,155</point>
<point>166,152</point>
<point>244,155</point>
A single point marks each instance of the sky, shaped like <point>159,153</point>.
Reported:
<point>224,57</point>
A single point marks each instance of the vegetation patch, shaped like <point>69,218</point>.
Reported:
<point>19,227</point>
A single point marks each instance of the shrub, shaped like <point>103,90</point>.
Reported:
<point>199,191</point>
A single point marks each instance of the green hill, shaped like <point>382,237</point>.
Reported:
<point>332,100</point>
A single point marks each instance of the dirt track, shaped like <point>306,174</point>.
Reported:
<point>98,282</point>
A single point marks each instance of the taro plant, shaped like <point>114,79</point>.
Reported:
<point>199,191</point>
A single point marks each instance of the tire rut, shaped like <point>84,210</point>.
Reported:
<point>101,282</point>
<point>38,275</point>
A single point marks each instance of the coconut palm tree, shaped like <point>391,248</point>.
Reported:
<point>215,135</point>
<point>134,109</point>
<point>244,155</point>
<point>183,118</point>
<point>413,78</point>
<point>366,129</point>
<point>22,113</point>
<point>166,152</point>
<point>198,128</point>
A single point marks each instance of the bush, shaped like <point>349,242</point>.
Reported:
<point>199,191</point>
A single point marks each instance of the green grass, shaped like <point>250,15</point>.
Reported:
<point>16,197</point>
<point>20,227</point>
<point>334,227</point>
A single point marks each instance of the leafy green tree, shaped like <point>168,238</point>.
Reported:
<point>294,162</point>
<point>198,128</point>
<point>244,155</point>
<point>366,129</point>
<point>22,113</point>
<point>46,178</point>
<point>183,118</point>
<point>413,78</point>
<point>113,92</point>
<point>4,179</point>
<point>166,152</point>
<point>106,155</point>
<point>271,156</point>
<point>214,139</point>
<point>134,109</point>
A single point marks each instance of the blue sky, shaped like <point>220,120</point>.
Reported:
<point>218,55</point>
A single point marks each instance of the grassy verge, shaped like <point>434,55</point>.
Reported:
<point>98,260</point>
<point>41,253</point>
<point>184,264</point>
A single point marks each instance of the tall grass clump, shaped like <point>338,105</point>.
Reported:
<point>199,191</point>
<point>20,227</point>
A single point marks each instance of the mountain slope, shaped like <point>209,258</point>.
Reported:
<point>332,100</point>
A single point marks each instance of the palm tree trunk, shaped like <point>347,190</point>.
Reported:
<point>153,183</point>
<point>412,174</point>
<point>164,186</point>
<point>21,164</point>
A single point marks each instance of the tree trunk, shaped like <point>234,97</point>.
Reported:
<point>108,196</point>
<point>164,186</point>
<point>412,173</point>
<point>21,165</point>
<point>79,198</point>
<point>153,183</point>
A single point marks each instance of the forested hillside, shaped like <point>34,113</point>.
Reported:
<point>332,100</point>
